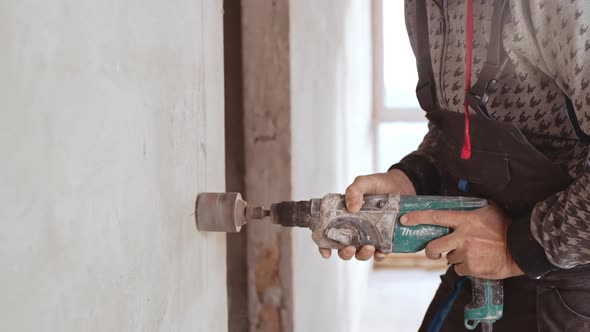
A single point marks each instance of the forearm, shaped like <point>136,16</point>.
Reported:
<point>561,224</point>
<point>524,249</point>
<point>556,235</point>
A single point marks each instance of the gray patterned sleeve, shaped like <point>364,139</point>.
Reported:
<point>560,47</point>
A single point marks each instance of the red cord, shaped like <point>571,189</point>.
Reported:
<point>466,150</point>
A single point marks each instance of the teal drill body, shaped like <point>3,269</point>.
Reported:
<point>487,302</point>
<point>409,239</point>
<point>377,224</point>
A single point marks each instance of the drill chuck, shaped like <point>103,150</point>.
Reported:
<point>296,214</point>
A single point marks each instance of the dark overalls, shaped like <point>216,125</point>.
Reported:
<point>506,168</point>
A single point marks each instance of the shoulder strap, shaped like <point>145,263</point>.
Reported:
<point>426,88</point>
<point>571,113</point>
<point>489,75</point>
<point>493,68</point>
<point>495,64</point>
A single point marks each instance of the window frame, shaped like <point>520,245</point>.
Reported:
<point>382,113</point>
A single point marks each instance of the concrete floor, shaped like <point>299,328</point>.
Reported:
<point>397,299</point>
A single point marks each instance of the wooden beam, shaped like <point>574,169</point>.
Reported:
<point>236,243</point>
<point>267,142</point>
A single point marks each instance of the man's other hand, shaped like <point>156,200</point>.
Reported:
<point>392,182</point>
<point>477,247</point>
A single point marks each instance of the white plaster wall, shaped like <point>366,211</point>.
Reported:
<point>332,143</point>
<point>111,121</point>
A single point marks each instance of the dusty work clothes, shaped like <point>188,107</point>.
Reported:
<point>528,152</point>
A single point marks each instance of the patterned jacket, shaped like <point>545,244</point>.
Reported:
<point>548,44</point>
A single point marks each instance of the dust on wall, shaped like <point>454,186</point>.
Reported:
<point>111,122</point>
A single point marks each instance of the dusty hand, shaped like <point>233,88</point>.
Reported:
<point>392,182</point>
<point>477,246</point>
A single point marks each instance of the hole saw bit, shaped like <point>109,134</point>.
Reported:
<point>376,224</point>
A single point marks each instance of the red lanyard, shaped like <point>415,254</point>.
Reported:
<point>466,150</point>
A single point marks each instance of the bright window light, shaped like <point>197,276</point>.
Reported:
<point>399,64</point>
<point>396,140</point>
<point>401,126</point>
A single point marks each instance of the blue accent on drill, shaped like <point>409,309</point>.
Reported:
<point>445,308</point>
<point>463,185</point>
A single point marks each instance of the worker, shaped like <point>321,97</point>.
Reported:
<point>505,88</point>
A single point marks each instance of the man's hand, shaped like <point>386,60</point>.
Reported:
<point>392,182</point>
<point>477,246</point>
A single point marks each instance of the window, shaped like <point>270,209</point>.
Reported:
<point>400,122</point>
<point>399,72</point>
